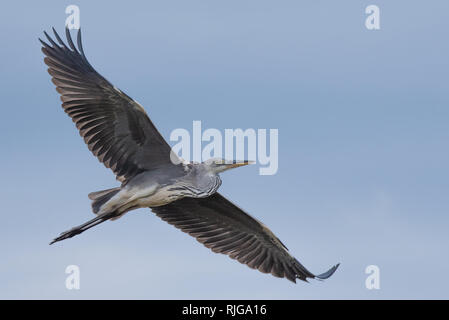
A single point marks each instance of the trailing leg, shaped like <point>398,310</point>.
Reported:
<point>85,226</point>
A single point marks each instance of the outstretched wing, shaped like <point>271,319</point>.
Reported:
<point>224,228</point>
<point>115,127</point>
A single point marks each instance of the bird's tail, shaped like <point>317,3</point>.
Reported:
<point>99,198</point>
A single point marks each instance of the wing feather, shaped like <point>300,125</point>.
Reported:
<point>224,228</point>
<point>116,128</point>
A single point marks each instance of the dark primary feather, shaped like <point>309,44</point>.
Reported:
<point>115,127</point>
<point>224,228</point>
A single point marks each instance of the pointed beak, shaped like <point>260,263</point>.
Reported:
<point>236,164</point>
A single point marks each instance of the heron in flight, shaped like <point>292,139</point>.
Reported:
<point>118,131</point>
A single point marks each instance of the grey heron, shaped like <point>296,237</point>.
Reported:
<point>118,131</point>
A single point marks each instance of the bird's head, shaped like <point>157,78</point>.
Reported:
<point>218,165</point>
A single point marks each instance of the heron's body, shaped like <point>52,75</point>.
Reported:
<point>160,187</point>
<point>120,134</point>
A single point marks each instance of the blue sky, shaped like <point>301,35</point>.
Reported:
<point>363,145</point>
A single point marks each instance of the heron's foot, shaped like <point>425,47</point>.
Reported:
<point>67,234</point>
